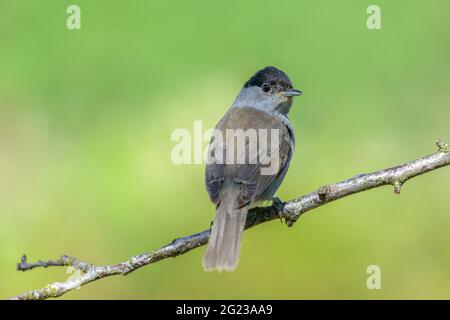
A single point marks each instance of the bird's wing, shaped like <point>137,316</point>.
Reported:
<point>258,166</point>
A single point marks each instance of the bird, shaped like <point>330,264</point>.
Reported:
<point>234,176</point>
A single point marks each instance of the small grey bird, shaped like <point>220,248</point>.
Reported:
<point>236,186</point>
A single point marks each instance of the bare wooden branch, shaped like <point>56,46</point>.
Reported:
<point>291,211</point>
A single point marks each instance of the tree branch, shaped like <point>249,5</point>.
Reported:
<point>291,211</point>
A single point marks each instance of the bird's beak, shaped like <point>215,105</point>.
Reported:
<point>292,93</point>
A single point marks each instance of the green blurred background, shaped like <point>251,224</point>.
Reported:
<point>86,118</point>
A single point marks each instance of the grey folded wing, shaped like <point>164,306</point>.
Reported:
<point>248,174</point>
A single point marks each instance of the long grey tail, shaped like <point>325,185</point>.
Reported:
<point>224,244</point>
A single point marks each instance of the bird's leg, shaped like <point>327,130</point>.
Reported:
<point>278,205</point>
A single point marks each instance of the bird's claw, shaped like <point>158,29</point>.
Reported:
<point>278,205</point>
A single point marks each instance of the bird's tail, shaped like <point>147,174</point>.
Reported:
<point>224,244</point>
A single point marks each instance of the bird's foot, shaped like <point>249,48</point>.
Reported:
<point>278,205</point>
<point>290,212</point>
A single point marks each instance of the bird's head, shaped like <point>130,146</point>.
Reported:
<point>269,89</point>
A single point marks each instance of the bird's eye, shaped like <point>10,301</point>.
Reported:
<point>266,88</point>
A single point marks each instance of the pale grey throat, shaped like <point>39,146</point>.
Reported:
<point>277,104</point>
<point>273,103</point>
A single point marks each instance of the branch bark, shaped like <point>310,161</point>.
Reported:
<point>291,211</point>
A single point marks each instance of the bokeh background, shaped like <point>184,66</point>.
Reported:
<point>86,118</point>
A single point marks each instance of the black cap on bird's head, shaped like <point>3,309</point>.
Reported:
<point>272,80</point>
